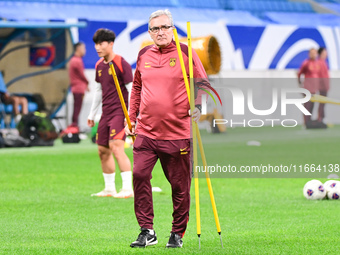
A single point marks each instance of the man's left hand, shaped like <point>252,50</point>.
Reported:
<point>196,114</point>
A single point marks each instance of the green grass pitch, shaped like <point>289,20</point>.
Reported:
<point>46,207</point>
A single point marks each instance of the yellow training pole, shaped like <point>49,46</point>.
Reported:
<point>192,104</point>
<point>211,192</point>
<point>194,147</point>
<point>200,144</point>
<point>194,135</point>
<point>180,56</point>
<point>114,75</point>
<point>324,100</point>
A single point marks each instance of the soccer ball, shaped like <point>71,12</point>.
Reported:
<point>333,189</point>
<point>334,193</point>
<point>330,184</point>
<point>314,190</point>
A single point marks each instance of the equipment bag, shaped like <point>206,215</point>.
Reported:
<point>71,138</point>
<point>39,129</point>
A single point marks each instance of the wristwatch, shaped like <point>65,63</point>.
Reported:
<point>199,107</point>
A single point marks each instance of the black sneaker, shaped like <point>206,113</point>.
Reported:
<point>144,239</point>
<point>175,241</point>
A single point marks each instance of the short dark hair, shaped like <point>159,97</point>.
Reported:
<point>321,49</point>
<point>76,45</point>
<point>104,35</point>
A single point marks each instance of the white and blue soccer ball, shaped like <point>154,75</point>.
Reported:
<point>314,190</point>
<point>333,189</point>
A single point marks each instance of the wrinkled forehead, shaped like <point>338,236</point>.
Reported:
<point>160,21</point>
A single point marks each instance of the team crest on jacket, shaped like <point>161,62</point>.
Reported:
<point>172,62</point>
<point>110,72</point>
<point>99,73</point>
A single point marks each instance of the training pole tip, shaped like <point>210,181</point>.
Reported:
<point>221,239</point>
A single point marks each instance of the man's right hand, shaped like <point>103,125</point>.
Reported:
<point>132,131</point>
<point>90,123</point>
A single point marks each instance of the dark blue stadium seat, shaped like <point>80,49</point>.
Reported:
<point>303,19</point>
<point>211,4</point>
<point>328,1</point>
<point>332,6</point>
<point>8,109</point>
<point>246,5</point>
<point>262,6</point>
<point>31,107</point>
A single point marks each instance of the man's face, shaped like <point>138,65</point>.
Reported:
<point>323,54</point>
<point>82,50</point>
<point>103,48</point>
<point>163,36</point>
<point>313,54</point>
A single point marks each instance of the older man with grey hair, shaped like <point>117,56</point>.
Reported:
<point>159,113</point>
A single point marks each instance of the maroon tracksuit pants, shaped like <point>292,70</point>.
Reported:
<point>174,156</point>
<point>310,105</point>
<point>78,101</point>
<point>321,110</point>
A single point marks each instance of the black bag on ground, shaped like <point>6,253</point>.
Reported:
<point>38,129</point>
<point>71,138</point>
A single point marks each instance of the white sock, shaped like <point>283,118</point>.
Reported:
<point>127,180</point>
<point>109,180</point>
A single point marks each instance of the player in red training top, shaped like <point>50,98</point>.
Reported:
<point>110,135</point>
<point>311,70</point>
<point>324,81</point>
<point>78,80</point>
<point>159,112</point>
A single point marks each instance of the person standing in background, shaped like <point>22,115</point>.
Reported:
<point>311,70</point>
<point>324,80</point>
<point>110,135</point>
<point>79,82</point>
